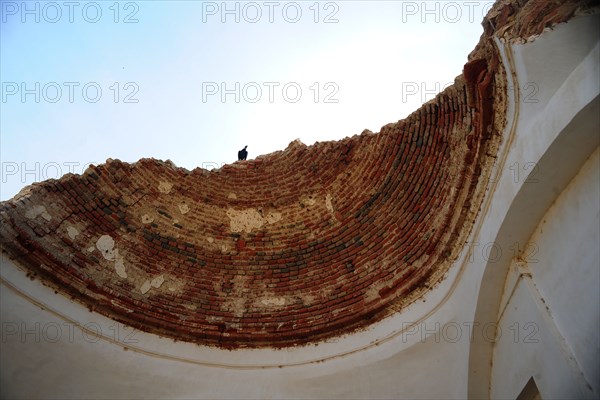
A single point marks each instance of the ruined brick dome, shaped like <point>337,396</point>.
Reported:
<point>292,247</point>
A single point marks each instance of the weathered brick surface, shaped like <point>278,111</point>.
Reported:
<point>289,248</point>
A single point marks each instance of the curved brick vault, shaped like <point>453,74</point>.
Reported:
<point>289,248</point>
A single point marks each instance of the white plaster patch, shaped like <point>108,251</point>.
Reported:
<point>273,217</point>
<point>249,219</point>
<point>145,287</point>
<point>72,232</point>
<point>146,219</point>
<point>106,246</point>
<point>172,284</point>
<point>236,299</point>
<point>307,299</point>
<point>38,210</point>
<point>165,187</point>
<point>190,306</point>
<point>328,203</point>
<point>120,265</point>
<point>210,239</point>
<point>244,220</point>
<point>91,249</point>
<point>184,208</point>
<point>273,301</point>
<point>308,201</point>
<point>237,304</point>
<point>154,283</point>
<point>232,196</point>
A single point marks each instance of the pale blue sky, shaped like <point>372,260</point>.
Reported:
<point>365,70</point>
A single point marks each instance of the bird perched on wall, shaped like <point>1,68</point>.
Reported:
<point>243,153</point>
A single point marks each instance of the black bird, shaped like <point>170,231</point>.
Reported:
<point>242,154</point>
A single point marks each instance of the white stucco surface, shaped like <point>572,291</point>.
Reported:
<point>550,321</point>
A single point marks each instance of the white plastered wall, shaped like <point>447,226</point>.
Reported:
<point>549,316</point>
<point>555,132</point>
